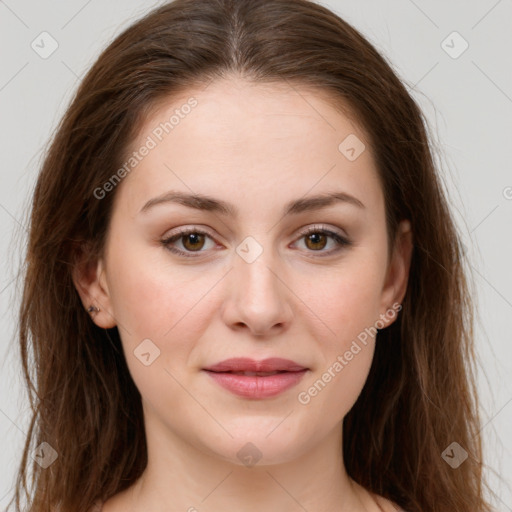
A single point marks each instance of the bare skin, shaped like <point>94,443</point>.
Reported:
<point>302,298</point>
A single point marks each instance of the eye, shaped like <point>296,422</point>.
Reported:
<point>193,240</point>
<point>316,238</point>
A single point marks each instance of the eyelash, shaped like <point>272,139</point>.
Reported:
<point>340,240</point>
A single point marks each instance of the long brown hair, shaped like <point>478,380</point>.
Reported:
<point>420,394</point>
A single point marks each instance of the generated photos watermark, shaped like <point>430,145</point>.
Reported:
<point>342,360</point>
<point>151,142</point>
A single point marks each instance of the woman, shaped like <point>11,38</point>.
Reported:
<point>244,287</point>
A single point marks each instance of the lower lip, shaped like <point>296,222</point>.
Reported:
<point>257,387</point>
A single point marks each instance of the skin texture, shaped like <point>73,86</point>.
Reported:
<point>257,147</point>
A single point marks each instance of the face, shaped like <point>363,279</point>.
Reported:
<point>270,273</point>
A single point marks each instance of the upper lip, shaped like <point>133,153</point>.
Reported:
<point>244,364</point>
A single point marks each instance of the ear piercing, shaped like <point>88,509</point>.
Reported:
<point>93,308</point>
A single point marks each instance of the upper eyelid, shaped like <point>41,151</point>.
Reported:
<point>189,229</point>
<point>300,232</point>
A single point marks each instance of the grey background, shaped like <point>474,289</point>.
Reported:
<point>468,101</point>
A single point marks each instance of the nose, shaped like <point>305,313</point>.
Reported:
<point>258,299</point>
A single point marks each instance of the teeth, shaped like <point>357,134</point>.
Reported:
<point>255,374</point>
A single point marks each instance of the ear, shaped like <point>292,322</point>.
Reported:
<point>397,276</point>
<point>89,277</point>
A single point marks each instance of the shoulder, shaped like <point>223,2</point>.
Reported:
<point>387,505</point>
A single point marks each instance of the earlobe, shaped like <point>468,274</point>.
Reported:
<point>89,278</point>
<point>397,276</point>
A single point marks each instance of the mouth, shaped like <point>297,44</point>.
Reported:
<point>252,379</point>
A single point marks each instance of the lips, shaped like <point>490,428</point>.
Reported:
<point>252,379</point>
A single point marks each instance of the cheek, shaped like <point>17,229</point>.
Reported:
<point>150,295</point>
<point>162,302</point>
<point>156,311</point>
<point>345,300</point>
<point>347,305</point>
<point>346,349</point>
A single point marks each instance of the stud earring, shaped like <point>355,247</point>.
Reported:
<point>93,308</point>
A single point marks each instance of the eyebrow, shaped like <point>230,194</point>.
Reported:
<point>211,204</point>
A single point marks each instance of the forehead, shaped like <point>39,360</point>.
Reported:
<point>258,144</point>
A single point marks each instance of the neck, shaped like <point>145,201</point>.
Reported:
<point>180,476</point>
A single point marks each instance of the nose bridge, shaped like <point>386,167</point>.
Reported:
<point>258,298</point>
<point>256,269</point>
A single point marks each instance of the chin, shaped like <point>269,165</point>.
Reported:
<point>258,445</point>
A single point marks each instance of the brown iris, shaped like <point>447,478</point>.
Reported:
<point>316,238</point>
<point>196,238</point>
